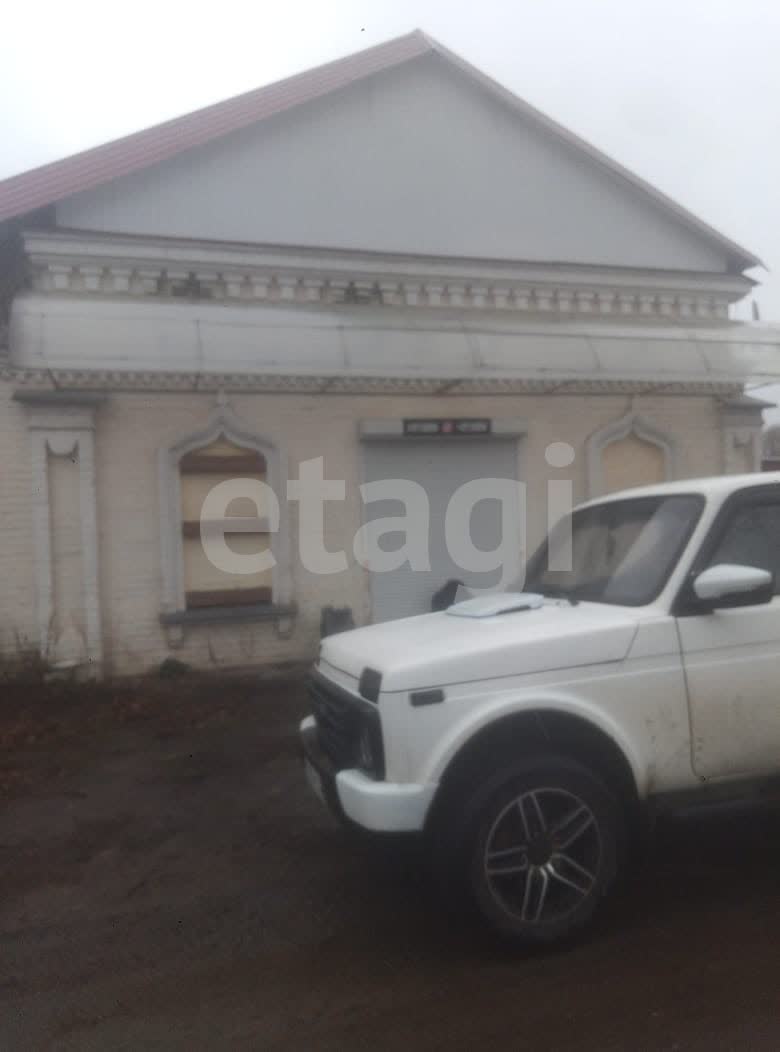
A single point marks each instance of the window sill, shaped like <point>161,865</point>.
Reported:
<point>221,615</point>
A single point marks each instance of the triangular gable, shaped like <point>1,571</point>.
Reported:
<point>123,185</point>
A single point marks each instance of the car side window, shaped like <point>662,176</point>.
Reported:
<point>752,538</point>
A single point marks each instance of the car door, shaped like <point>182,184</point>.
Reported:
<point>732,656</point>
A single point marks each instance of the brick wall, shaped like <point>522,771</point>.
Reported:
<point>17,601</point>
<point>132,428</point>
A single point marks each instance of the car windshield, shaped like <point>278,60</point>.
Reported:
<point>619,552</point>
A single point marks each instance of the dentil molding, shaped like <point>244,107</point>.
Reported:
<point>93,265</point>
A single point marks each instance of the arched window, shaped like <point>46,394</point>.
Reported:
<point>631,461</point>
<point>200,471</point>
<point>189,471</point>
<point>628,452</point>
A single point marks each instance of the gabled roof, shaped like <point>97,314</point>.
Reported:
<point>53,182</point>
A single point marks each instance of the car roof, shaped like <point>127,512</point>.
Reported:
<point>717,486</point>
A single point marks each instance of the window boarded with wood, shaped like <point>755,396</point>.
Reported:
<point>205,584</point>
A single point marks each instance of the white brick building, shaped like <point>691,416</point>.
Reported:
<point>328,266</point>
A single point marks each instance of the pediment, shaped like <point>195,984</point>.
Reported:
<point>417,159</point>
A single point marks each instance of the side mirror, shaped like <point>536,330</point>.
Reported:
<point>729,585</point>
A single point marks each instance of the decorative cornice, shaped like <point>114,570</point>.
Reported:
<point>56,397</point>
<point>94,265</point>
<point>72,380</point>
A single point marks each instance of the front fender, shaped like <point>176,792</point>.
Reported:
<point>483,716</point>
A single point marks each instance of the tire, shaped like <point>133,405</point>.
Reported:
<point>540,847</point>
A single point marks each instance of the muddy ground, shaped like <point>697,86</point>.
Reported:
<point>167,882</point>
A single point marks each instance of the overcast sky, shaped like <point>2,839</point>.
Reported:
<point>684,92</point>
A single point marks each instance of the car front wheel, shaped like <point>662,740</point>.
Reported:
<point>542,849</point>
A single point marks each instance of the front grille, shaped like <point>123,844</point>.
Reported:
<point>338,725</point>
<point>341,721</point>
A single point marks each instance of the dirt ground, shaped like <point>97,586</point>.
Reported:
<point>167,882</point>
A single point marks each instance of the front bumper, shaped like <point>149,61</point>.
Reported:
<point>382,807</point>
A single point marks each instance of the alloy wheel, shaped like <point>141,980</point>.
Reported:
<point>542,855</point>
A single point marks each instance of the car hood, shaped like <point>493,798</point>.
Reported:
<point>505,639</point>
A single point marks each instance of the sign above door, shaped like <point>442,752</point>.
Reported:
<point>448,426</point>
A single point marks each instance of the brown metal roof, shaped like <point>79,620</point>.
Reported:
<point>42,186</point>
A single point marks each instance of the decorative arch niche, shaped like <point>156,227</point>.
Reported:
<point>651,450</point>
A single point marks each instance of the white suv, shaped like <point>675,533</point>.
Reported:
<point>528,734</point>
